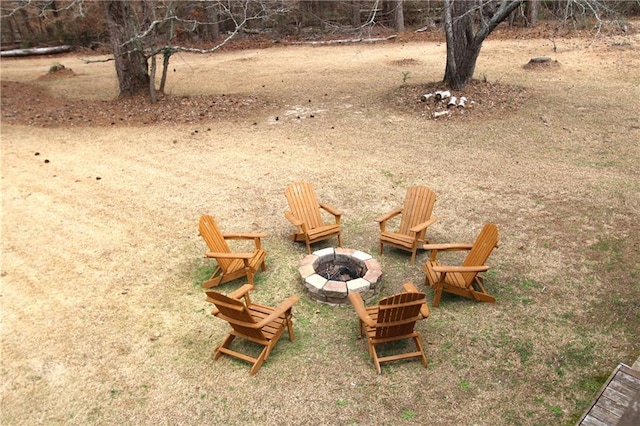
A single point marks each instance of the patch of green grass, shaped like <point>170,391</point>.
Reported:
<point>557,411</point>
<point>342,402</point>
<point>613,248</point>
<point>530,284</point>
<point>524,350</point>
<point>464,385</point>
<point>407,415</point>
<point>396,180</point>
<point>603,164</point>
<point>554,409</point>
<point>572,357</point>
<point>201,274</point>
<point>491,276</point>
<point>567,315</point>
<point>593,383</point>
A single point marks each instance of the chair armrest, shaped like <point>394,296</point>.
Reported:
<point>291,218</point>
<point>235,295</point>
<point>447,268</point>
<point>448,246</point>
<point>411,288</point>
<point>419,227</point>
<point>245,236</point>
<point>451,246</point>
<point>331,209</point>
<point>243,256</point>
<point>390,215</point>
<point>358,304</point>
<point>283,307</point>
<point>255,236</point>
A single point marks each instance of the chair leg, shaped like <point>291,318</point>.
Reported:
<point>374,356</point>
<point>413,256</point>
<point>340,239</point>
<point>214,280</point>
<point>418,340</point>
<point>437,295</point>
<point>292,336</point>
<point>381,249</point>
<point>256,365</point>
<point>308,246</point>
<point>482,297</point>
<point>227,342</point>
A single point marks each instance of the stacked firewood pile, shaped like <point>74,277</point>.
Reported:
<point>445,102</point>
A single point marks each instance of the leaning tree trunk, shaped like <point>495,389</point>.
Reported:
<point>462,47</point>
<point>130,61</point>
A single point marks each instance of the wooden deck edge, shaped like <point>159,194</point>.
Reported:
<point>634,370</point>
<point>594,401</point>
<point>636,365</point>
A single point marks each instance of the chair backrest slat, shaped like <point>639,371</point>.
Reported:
<point>398,314</point>
<point>418,207</point>
<point>237,314</point>
<point>214,239</point>
<point>304,204</point>
<point>486,241</point>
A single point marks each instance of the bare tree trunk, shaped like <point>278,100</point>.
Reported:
<point>152,81</point>
<point>462,49</point>
<point>166,54</point>
<point>213,27</point>
<point>355,14</point>
<point>398,15</point>
<point>130,61</point>
<point>532,9</point>
<point>463,46</point>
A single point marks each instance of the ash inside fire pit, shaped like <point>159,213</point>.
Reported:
<point>331,274</point>
<point>333,270</point>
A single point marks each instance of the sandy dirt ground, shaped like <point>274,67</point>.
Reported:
<point>103,318</point>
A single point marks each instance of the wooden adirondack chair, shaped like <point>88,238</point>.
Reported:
<point>305,215</point>
<point>416,218</point>
<point>259,324</point>
<point>393,319</point>
<point>230,265</point>
<point>462,280</point>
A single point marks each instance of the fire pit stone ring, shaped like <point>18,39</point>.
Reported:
<point>331,274</point>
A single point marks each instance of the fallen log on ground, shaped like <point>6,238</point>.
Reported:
<point>349,40</point>
<point>35,51</point>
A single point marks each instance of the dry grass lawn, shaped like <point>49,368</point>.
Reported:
<point>103,317</point>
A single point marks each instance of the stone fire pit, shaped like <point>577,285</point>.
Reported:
<point>331,273</point>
